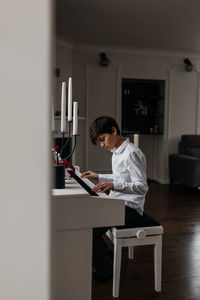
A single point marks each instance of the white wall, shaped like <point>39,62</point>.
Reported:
<point>64,63</point>
<point>25,30</point>
<point>182,99</point>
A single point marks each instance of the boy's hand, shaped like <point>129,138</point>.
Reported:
<point>90,174</point>
<point>103,187</point>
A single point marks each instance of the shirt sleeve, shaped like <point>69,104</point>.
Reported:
<point>105,177</point>
<point>136,167</point>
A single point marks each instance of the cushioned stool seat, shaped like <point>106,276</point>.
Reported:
<point>139,236</point>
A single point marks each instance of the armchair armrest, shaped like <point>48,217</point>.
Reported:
<point>184,169</point>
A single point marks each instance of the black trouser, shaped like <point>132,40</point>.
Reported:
<point>101,257</point>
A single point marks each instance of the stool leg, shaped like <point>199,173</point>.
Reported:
<point>116,267</point>
<point>130,252</point>
<point>158,263</point>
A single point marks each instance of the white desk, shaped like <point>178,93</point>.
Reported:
<point>75,213</point>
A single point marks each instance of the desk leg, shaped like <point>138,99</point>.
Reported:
<point>73,280</point>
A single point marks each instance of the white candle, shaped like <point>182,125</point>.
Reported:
<point>70,99</point>
<point>75,118</point>
<point>136,140</point>
<point>63,107</point>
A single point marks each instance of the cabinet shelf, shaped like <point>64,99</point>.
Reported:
<point>143,106</point>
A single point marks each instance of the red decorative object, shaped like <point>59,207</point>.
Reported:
<point>64,162</point>
<point>67,164</point>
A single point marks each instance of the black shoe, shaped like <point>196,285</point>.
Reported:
<point>103,276</point>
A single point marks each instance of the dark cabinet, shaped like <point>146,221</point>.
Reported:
<point>143,106</point>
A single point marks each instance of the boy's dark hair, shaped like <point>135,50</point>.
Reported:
<point>102,125</point>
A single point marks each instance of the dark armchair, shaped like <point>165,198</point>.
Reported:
<point>184,167</point>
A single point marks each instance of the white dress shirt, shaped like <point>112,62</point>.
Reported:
<point>128,175</point>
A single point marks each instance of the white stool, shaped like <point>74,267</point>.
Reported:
<point>131,237</point>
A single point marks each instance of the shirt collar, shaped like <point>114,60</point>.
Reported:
<point>121,147</point>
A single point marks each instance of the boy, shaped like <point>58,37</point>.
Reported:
<point>128,181</point>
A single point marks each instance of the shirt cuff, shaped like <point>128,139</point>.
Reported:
<point>117,186</point>
<point>100,177</point>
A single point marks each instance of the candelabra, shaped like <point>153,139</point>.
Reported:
<point>65,144</point>
<point>60,162</point>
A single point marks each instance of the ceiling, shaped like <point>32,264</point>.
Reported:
<point>148,24</point>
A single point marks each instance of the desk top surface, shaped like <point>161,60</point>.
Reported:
<point>71,212</point>
<point>74,188</point>
<point>71,188</point>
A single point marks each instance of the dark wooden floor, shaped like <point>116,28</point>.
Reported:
<point>177,208</point>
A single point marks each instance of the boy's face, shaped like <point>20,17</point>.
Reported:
<point>108,140</point>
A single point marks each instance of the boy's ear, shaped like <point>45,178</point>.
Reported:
<point>114,130</point>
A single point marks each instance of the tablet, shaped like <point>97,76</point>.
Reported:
<point>83,184</point>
